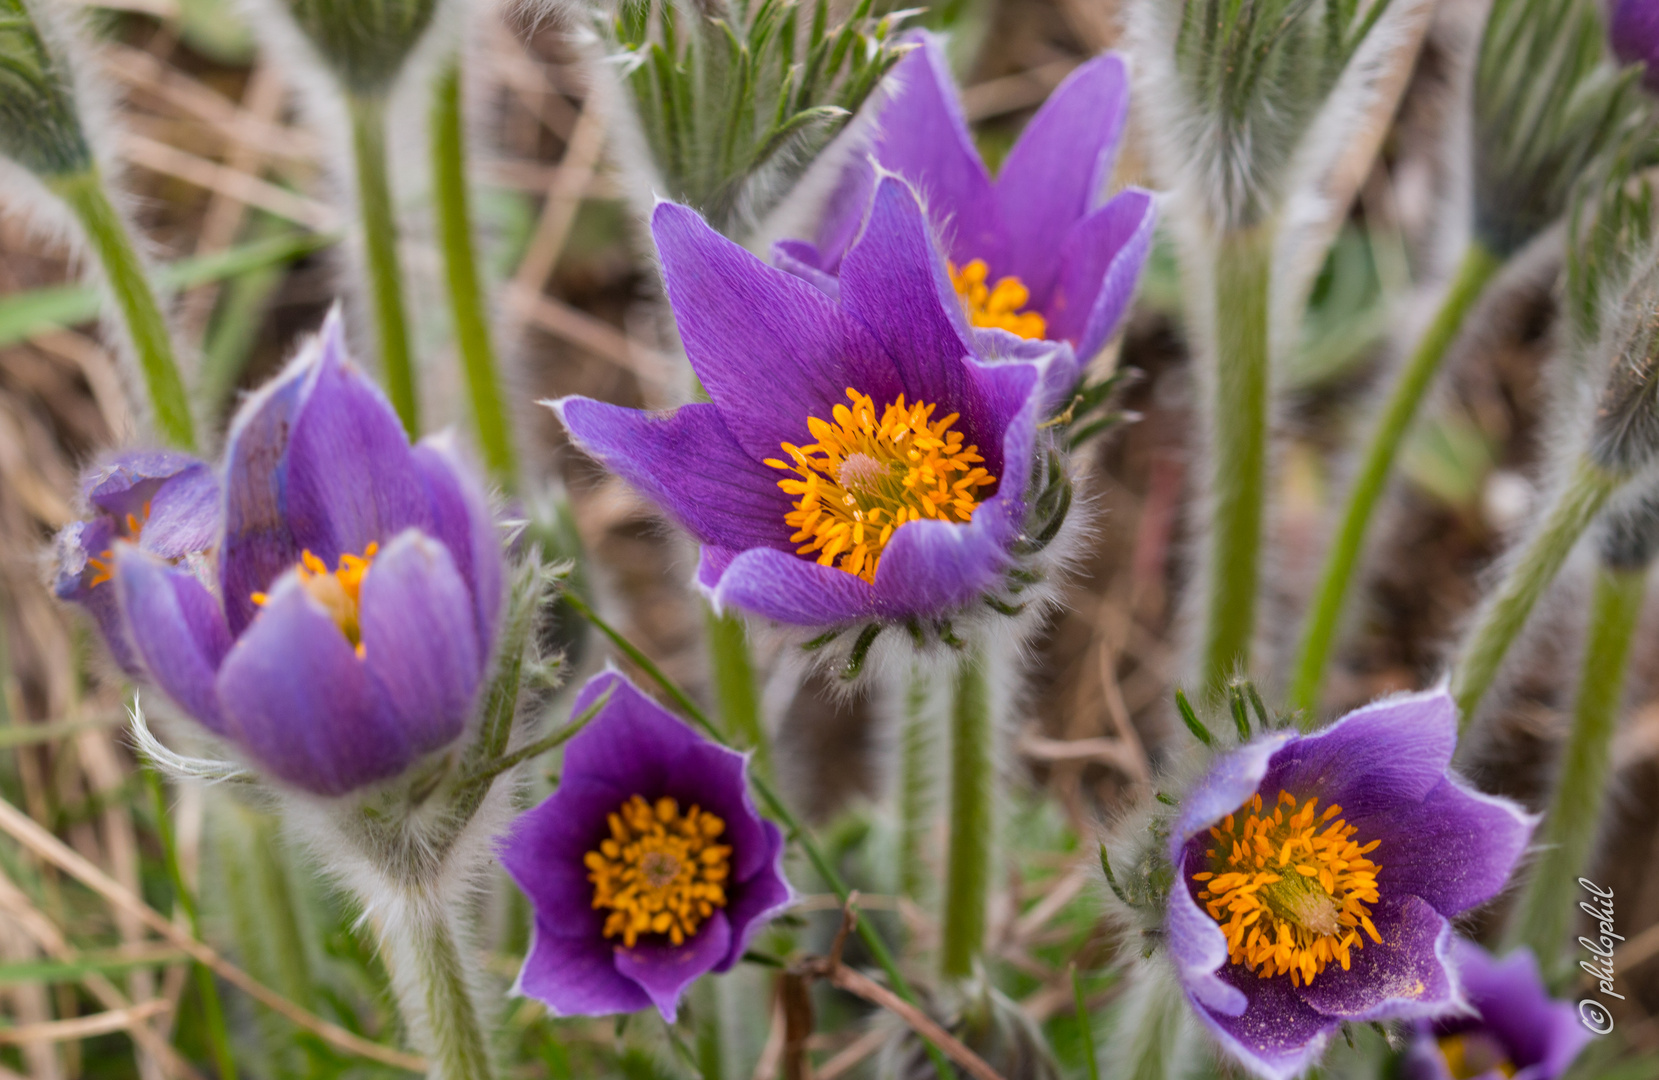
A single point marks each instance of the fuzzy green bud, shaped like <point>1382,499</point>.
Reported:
<point>40,127</point>
<point>364,42</point>
<point>1625,435</point>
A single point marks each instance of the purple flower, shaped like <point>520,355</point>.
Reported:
<point>163,503</point>
<point>1316,874</point>
<point>1634,31</point>
<point>866,458</point>
<point>647,868</point>
<point>360,580</point>
<point>1516,1031</point>
<point>1034,252</point>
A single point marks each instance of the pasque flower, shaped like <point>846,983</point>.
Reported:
<point>162,502</point>
<point>647,868</point>
<point>1514,1030</point>
<point>1315,876</point>
<point>359,581</point>
<point>861,458</point>
<point>1034,252</point>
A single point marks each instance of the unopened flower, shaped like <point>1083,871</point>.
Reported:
<point>647,868</point>
<point>365,43</point>
<point>1314,877</point>
<point>860,459</point>
<point>1514,1031</point>
<point>1034,252</point>
<point>40,122</point>
<point>1634,31</point>
<point>359,584</point>
<point>164,503</point>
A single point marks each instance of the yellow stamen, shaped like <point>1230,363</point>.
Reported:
<point>1472,1055</point>
<point>104,565</point>
<point>866,477</point>
<point>996,305</point>
<point>336,590</point>
<point>1290,889</point>
<point>660,871</point>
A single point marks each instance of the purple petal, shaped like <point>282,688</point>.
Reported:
<point>806,262</point>
<point>1196,944</point>
<point>1059,168</point>
<point>544,850</point>
<point>176,626</point>
<point>72,551</point>
<point>1455,849</point>
<point>634,745</point>
<point>762,897</point>
<point>924,139</point>
<point>420,639</point>
<point>174,496</point>
<point>770,349</point>
<point>1376,759</point>
<point>576,975</point>
<point>1408,975</point>
<point>350,478</point>
<point>1100,264</point>
<point>297,698</point>
<point>1634,31</point>
<point>1541,1034</point>
<point>784,587</point>
<point>664,970</point>
<point>1277,1036</point>
<point>687,463</point>
<point>461,519</point>
<point>1233,777</point>
<point>930,567</point>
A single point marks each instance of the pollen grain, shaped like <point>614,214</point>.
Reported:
<point>659,871</point>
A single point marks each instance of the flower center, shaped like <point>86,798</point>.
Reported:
<point>1473,1054</point>
<point>996,305</point>
<point>336,590</point>
<point>104,565</point>
<point>1289,890</point>
<point>865,477</point>
<point>660,871</point>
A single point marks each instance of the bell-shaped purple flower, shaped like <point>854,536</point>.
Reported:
<point>164,503</point>
<point>647,868</point>
<point>1315,876</point>
<point>360,580</point>
<point>1034,252</point>
<point>1515,1031</point>
<point>1633,29</point>
<point>861,458</point>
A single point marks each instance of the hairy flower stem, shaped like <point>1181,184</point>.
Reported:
<point>916,806</point>
<point>1151,1027</point>
<point>466,294</point>
<point>437,995</point>
<point>85,196</point>
<point>736,697</point>
<point>1503,616</point>
<point>968,862</point>
<point>1319,633</point>
<point>374,197</point>
<point>1238,455</point>
<point>1544,915</point>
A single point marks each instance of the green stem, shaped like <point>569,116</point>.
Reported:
<point>213,1013</point>
<point>1502,618</point>
<point>1543,918</point>
<point>374,196</point>
<point>736,697</point>
<point>466,295</point>
<point>915,785</point>
<point>1238,467</point>
<point>85,195</point>
<point>1085,1025</point>
<point>1152,1027</point>
<point>776,807</point>
<point>968,860</point>
<point>1325,616</point>
<point>458,1049</point>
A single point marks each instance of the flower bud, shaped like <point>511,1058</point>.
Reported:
<point>363,42</point>
<point>1625,434</point>
<point>40,127</point>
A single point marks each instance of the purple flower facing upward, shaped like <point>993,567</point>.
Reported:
<point>162,502</point>
<point>866,458</point>
<point>1516,1030</point>
<point>1315,876</point>
<point>648,867</point>
<point>1034,252</point>
<point>359,584</point>
<point>1634,31</point>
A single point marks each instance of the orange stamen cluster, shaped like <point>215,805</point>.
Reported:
<point>867,476</point>
<point>996,305</point>
<point>336,590</point>
<point>660,871</point>
<point>104,565</point>
<point>1290,890</point>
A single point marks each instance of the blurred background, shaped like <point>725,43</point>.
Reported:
<point>228,185</point>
